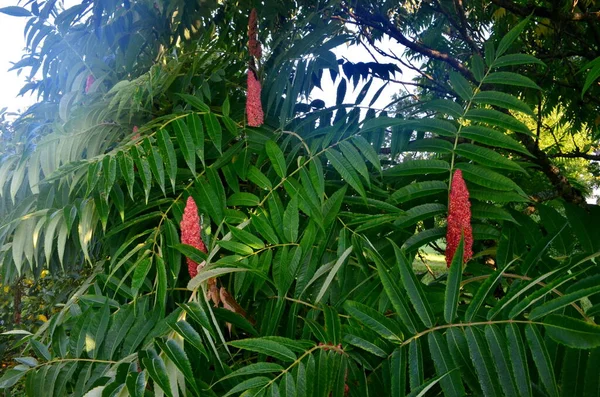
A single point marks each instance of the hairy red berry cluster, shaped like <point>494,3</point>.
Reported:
<point>253,44</point>
<point>88,83</point>
<point>190,233</point>
<point>459,219</point>
<point>254,111</point>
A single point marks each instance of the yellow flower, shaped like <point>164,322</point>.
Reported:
<point>43,318</point>
<point>6,289</point>
<point>44,273</point>
<point>28,282</point>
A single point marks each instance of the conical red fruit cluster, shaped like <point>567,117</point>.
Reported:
<point>459,219</point>
<point>88,83</point>
<point>136,134</point>
<point>253,44</point>
<point>190,233</point>
<point>254,111</point>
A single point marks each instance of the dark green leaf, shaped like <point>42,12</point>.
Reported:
<point>510,37</point>
<point>334,270</point>
<point>374,320</point>
<point>414,288</point>
<point>253,369</point>
<point>267,347</point>
<point>158,372</point>
<point>195,102</point>
<point>139,274</point>
<point>451,384</point>
<point>445,106</point>
<point>487,178</point>
<point>499,119</point>
<point>497,345</point>
<point>418,167</point>
<point>503,100</point>
<point>396,296</point>
<point>453,284</point>
<point>541,359</point>
<point>214,130</point>
<point>518,360</point>
<point>572,332</point>
<point>277,159</point>
<point>484,291</point>
<point>291,220</point>
<point>168,155</point>
<point>482,362</point>
<point>333,325</point>
<point>365,345</point>
<point>491,137</point>
<point>487,157</point>
<point>510,78</point>
<point>190,335</point>
<point>516,59</point>
<point>251,383</point>
<point>345,169</point>
<point>11,377</point>
<point>437,126</point>
<point>186,143</point>
<point>417,190</point>
<point>179,358</point>
<point>136,383</point>
<point>461,86</point>
<point>243,199</point>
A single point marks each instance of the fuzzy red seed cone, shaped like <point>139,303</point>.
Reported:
<point>253,44</point>
<point>133,138</point>
<point>254,111</point>
<point>88,83</point>
<point>190,233</point>
<point>136,134</point>
<point>459,219</point>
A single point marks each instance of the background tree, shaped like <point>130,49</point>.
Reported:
<point>308,224</point>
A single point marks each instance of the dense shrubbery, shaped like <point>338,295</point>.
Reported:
<point>299,275</point>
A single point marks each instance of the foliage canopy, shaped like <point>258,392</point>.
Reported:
<point>313,221</point>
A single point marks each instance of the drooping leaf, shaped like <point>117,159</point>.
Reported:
<point>482,362</point>
<point>497,345</point>
<point>277,159</point>
<point>510,78</point>
<point>461,86</point>
<point>214,130</point>
<point>414,288</point>
<point>418,167</point>
<point>541,359</point>
<point>453,284</point>
<point>332,273</point>
<point>267,347</point>
<point>397,297</point>
<point>190,335</point>
<point>417,190</point>
<point>345,169</point>
<point>498,119</point>
<point>487,178</point>
<point>452,384</point>
<point>186,143</point>
<point>374,320</point>
<point>491,137</point>
<point>158,372</point>
<point>572,332</point>
<point>510,37</point>
<point>516,59</point>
